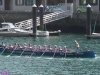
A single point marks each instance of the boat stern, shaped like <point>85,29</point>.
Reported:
<point>89,54</point>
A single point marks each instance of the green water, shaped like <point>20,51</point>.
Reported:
<point>24,65</point>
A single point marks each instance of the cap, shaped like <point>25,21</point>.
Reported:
<point>25,43</point>
<point>75,41</point>
<point>44,45</point>
<point>64,46</point>
<point>55,45</point>
<point>59,46</point>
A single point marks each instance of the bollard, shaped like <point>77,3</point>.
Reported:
<point>41,17</point>
<point>88,26</point>
<point>34,15</point>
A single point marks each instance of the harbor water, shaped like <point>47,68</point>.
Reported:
<point>36,65</point>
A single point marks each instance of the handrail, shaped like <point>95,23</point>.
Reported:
<point>46,18</point>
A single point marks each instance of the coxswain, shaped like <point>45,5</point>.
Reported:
<point>77,46</point>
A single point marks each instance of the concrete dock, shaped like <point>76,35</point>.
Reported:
<point>17,34</point>
<point>94,36</point>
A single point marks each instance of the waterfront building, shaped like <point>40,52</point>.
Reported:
<point>95,4</point>
<point>25,5</point>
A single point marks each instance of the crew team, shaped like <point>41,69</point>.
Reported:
<point>36,48</point>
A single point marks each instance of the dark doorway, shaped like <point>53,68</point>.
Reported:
<point>38,2</point>
<point>7,4</point>
<point>69,1</point>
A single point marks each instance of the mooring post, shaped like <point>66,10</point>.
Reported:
<point>34,15</point>
<point>41,17</point>
<point>88,29</point>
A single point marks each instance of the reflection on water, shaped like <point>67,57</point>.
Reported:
<point>25,65</point>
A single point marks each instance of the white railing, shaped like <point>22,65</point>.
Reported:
<point>67,11</point>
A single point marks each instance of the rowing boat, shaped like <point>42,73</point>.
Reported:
<point>84,54</point>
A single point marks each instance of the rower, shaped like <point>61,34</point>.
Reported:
<point>25,45</point>
<point>15,45</point>
<point>34,48</point>
<point>60,49</point>
<point>3,45</point>
<point>29,47</point>
<point>10,47</point>
<point>39,48</point>
<point>49,48</point>
<point>64,49</point>
<point>55,48</point>
<point>44,48</point>
<point>18,47</point>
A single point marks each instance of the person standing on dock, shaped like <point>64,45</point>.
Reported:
<point>77,46</point>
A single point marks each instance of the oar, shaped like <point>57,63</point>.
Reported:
<point>3,50</point>
<point>31,54</point>
<point>65,54</point>
<point>54,54</point>
<point>42,54</point>
<point>22,52</point>
<point>12,52</point>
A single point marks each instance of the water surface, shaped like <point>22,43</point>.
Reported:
<point>37,65</point>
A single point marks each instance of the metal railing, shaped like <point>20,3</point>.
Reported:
<point>67,11</point>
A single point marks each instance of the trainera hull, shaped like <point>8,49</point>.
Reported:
<point>85,54</point>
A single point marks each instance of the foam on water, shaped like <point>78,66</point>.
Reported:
<point>49,58</point>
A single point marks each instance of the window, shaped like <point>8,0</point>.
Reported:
<point>50,2</point>
<point>82,2</point>
<point>61,1</point>
<point>19,2</point>
<point>55,2</point>
<point>69,1</point>
<point>91,2</point>
<point>0,2</point>
<point>28,2</point>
